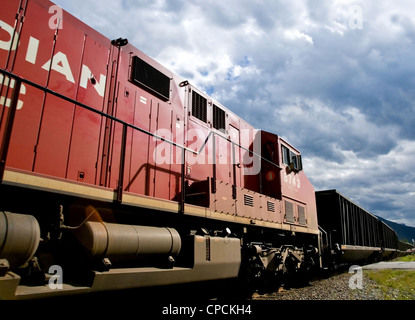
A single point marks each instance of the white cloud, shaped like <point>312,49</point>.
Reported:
<point>294,34</point>
<point>387,178</point>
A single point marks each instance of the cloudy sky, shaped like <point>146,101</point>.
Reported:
<point>335,78</point>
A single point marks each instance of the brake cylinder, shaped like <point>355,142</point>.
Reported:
<point>19,238</point>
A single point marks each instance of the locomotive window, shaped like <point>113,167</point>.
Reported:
<point>291,159</point>
<point>285,155</point>
<point>300,163</point>
<point>199,106</point>
<point>268,151</point>
<point>218,118</point>
<point>294,161</point>
<point>150,78</point>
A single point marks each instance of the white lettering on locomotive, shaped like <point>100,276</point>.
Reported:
<point>32,50</point>
<point>58,63</point>
<point>86,74</point>
<point>292,180</point>
<point>6,45</point>
<point>6,81</point>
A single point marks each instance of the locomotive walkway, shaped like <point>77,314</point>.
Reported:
<point>397,265</point>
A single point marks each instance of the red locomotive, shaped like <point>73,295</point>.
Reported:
<point>124,175</point>
<point>116,173</point>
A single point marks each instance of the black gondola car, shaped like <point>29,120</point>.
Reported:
<point>389,241</point>
<point>353,233</point>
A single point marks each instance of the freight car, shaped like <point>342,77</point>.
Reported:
<point>116,173</point>
<point>352,234</point>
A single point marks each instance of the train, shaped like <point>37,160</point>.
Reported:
<point>351,234</point>
<point>116,173</point>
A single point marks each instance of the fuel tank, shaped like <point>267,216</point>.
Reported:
<point>127,242</point>
<point>19,238</point>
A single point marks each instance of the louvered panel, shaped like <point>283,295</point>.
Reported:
<point>199,106</point>
<point>219,121</point>
<point>301,215</point>
<point>150,78</point>
<point>248,200</point>
<point>271,206</point>
<point>289,211</point>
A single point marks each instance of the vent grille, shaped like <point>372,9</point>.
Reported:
<point>248,200</point>
<point>150,78</point>
<point>199,106</point>
<point>271,206</point>
<point>301,215</point>
<point>289,211</point>
<point>219,118</point>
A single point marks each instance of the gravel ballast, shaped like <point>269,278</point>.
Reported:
<point>334,288</point>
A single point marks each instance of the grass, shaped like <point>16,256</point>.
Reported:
<point>409,257</point>
<point>395,284</point>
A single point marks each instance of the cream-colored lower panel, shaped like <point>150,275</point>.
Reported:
<point>45,183</point>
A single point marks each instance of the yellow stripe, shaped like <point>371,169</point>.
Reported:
<point>48,184</point>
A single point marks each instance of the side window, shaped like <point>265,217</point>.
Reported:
<point>285,155</point>
<point>291,159</point>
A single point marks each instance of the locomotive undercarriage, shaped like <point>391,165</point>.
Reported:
<point>134,247</point>
<point>269,267</point>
